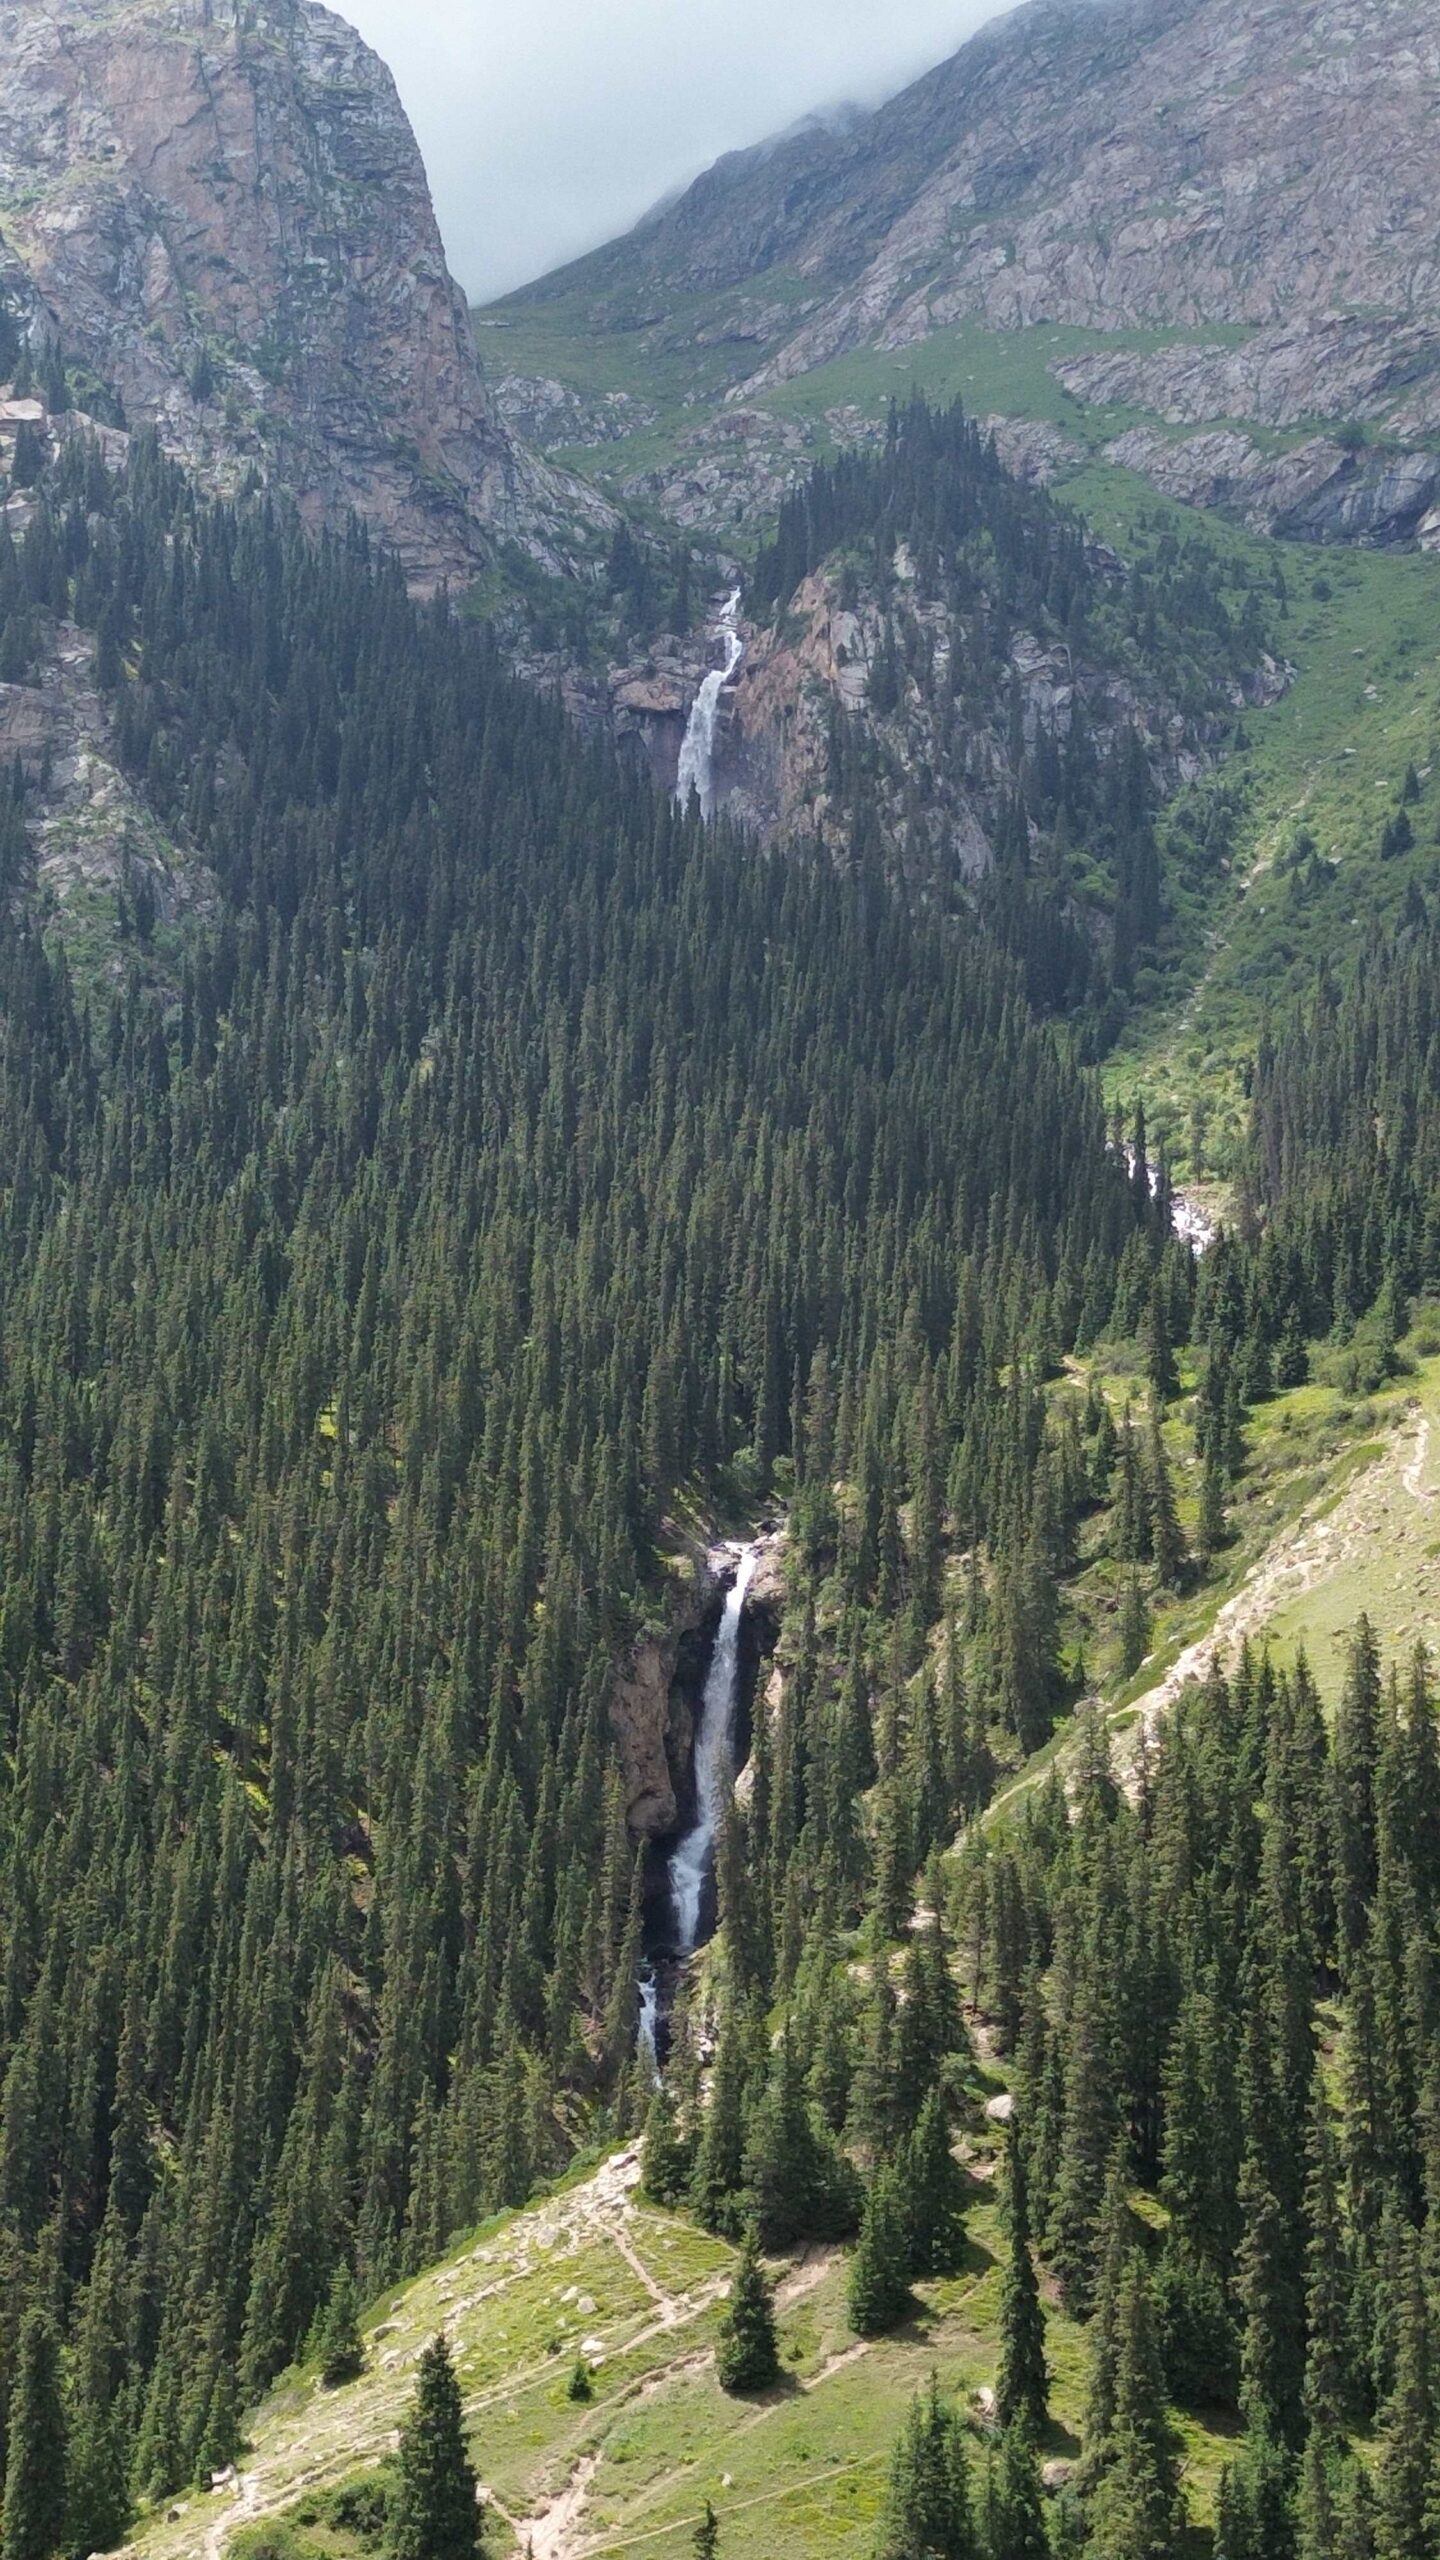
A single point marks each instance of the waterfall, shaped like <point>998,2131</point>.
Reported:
<point>648,2034</point>
<point>697,755</point>
<point>693,1857</point>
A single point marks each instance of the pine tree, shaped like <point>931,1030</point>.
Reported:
<point>1405,2482</point>
<point>706,2543</point>
<point>934,2185</point>
<point>877,2293</point>
<point>1138,2510</point>
<point>436,2513</point>
<point>664,2157</point>
<point>35,2469</point>
<point>1014,2500</point>
<point>1022,2386</point>
<point>342,2349</point>
<point>928,2505</point>
<point>748,2355</point>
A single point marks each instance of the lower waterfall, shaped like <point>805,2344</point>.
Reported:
<point>692,1860</point>
<point>697,755</point>
<point>690,1867</point>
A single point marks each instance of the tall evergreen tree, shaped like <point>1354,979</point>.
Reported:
<point>748,2356</point>
<point>928,2507</point>
<point>35,2463</point>
<point>1138,2509</point>
<point>436,2513</point>
<point>1022,2384</point>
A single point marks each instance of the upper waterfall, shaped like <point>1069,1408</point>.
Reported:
<point>697,755</point>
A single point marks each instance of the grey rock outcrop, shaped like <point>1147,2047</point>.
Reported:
<point>1318,491</point>
<point>218,209</point>
<point>96,847</point>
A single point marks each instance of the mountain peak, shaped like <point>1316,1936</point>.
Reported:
<point>217,210</point>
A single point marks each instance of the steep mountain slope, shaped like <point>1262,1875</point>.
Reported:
<point>1254,182</point>
<point>217,216</point>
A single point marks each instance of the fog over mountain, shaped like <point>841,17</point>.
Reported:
<point>547,129</point>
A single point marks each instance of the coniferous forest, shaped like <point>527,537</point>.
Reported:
<point>512,1159</point>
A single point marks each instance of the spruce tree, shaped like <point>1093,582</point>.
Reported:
<point>98,2504</point>
<point>1138,2511</point>
<point>1022,2385</point>
<point>747,2357</point>
<point>1014,2500</point>
<point>1134,1625</point>
<point>1268,2282</point>
<point>706,2543</point>
<point>720,2160</point>
<point>1256,2504</point>
<point>436,2513</point>
<point>1086,2140</point>
<point>664,2156</point>
<point>1167,1543</point>
<point>877,2292</point>
<point>35,2467</point>
<point>934,2185</point>
<point>928,2513</point>
<point>1405,2475</point>
<point>342,2350</point>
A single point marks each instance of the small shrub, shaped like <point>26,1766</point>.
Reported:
<point>277,2538</point>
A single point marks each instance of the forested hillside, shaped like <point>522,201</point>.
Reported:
<point>508,1160</point>
<point>511,1150</point>
<point>1011,705</point>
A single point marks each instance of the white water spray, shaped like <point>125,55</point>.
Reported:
<point>647,2035</point>
<point>692,1858</point>
<point>697,755</point>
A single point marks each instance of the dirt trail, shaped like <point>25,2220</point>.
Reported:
<point>313,2438</point>
<point>1322,1542</point>
<point>1415,1485</point>
<point>551,2534</point>
<point>1335,1535</point>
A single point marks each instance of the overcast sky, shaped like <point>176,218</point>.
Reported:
<point>549,125</point>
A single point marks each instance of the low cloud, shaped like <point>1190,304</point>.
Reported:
<point>550,125</point>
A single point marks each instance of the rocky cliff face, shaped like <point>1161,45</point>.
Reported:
<point>941,793</point>
<point>217,209</point>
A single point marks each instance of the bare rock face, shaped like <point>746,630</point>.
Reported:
<point>773,739</point>
<point>1109,164</point>
<point>218,208</point>
<point>98,852</point>
<point>641,1711</point>
<point>1252,181</point>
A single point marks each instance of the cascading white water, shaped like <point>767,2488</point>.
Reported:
<point>691,1860</point>
<point>697,755</point>
<point>648,2033</point>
